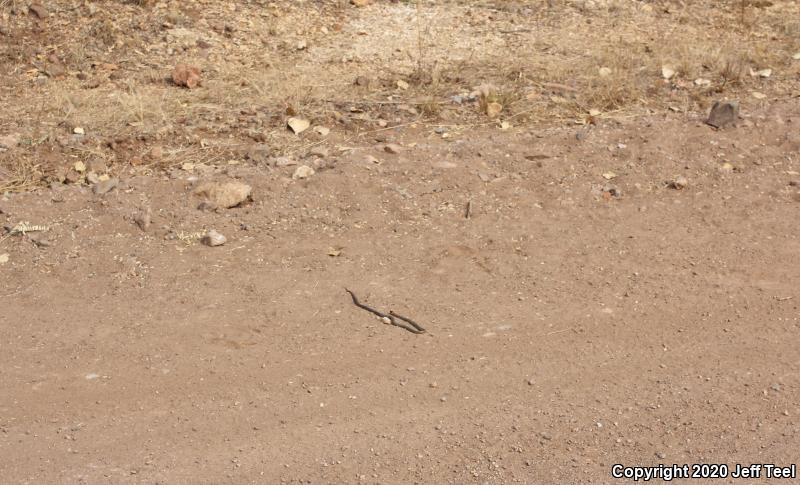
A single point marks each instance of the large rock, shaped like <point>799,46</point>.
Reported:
<point>224,194</point>
<point>723,113</point>
<point>186,76</point>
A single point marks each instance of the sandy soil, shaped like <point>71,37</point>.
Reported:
<point>567,329</point>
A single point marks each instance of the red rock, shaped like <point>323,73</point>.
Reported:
<point>186,76</point>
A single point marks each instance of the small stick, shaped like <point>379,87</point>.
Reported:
<point>468,211</point>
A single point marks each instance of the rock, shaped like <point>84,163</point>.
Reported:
<point>298,125</point>
<point>726,167</point>
<point>259,153</point>
<point>224,194</point>
<point>765,73</point>
<point>213,239</point>
<point>604,71</point>
<point>105,186</point>
<point>319,164</point>
<point>92,178</point>
<point>186,76</point>
<point>667,72</point>
<point>303,172</point>
<point>392,148</point>
<point>8,142</point>
<point>493,110</point>
<point>37,10</point>
<point>319,151</point>
<point>402,84</point>
<point>679,183</point>
<point>3,258</point>
<point>362,81</point>
<point>78,130</point>
<point>723,113</point>
<point>73,177</point>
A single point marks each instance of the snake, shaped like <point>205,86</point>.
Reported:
<point>391,317</point>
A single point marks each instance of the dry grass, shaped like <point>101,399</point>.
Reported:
<point>544,59</point>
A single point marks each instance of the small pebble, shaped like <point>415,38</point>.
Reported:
<point>303,172</point>
<point>679,183</point>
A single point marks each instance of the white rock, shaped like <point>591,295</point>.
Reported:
<point>79,131</point>
<point>680,182</point>
<point>303,172</point>
<point>213,239</point>
<point>298,125</point>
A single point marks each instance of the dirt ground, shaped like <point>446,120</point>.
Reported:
<point>603,277</point>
